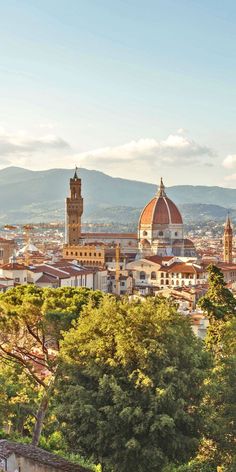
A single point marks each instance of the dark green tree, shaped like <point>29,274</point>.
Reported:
<point>219,302</point>
<point>131,386</point>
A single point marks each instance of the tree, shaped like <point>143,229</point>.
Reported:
<point>219,406</point>
<point>133,377</point>
<point>31,321</point>
<point>18,400</point>
<point>219,302</point>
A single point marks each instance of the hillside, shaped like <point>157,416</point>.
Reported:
<point>39,196</point>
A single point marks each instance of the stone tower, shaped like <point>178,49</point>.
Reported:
<point>228,241</point>
<point>74,211</point>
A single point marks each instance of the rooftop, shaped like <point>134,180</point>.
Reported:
<point>39,455</point>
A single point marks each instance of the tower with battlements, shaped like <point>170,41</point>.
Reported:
<point>74,211</point>
<point>228,241</point>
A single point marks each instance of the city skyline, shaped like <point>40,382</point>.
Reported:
<point>131,89</point>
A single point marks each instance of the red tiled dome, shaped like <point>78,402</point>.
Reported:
<point>160,210</point>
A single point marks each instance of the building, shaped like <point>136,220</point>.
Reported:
<point>155,273</point>
<point>90,249</point>
<point>160,232</point>
<point>7,248</point>
<point>160,229</point>
<point>16,457</point>
<point>74,211</point>
<point>228,241</point>
<point>15,271</point>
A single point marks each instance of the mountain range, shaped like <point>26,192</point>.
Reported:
<point>34,196</point>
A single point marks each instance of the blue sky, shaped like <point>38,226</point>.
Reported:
<point>129,87</point>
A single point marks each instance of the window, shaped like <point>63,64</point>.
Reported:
<point>162,282</point>
<point>17,279</point>
<point>153,275</point>
<point>160,233</point>
<point>162,274</point>
<point>142,275</point>
<point>1,253</point>
<point>144,233</point>
<point>176,233</point>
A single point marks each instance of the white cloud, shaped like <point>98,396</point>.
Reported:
<point>22,144</point>
<point>175,149</point>
<point>141,159</point>
<point>230,161</point>
<point>230,177</point>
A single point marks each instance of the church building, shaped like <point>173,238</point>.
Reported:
<point>161,229</point>
<point>160,232</point>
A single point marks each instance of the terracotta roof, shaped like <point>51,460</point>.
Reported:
<point>159,259</point>
<point>45,278</point>
<point>185,268</point>
<point>9,241</point>
<point>145,242</point>
<point>38,455</point>
<point>160,210</point>
<point>226,266</point>
<point>14,266</point>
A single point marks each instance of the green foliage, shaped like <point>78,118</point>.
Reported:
<point>31,322</point>
<point>219,404</point>
<point>18,400</point>
<point>219,302</point>
<point>133,378</point>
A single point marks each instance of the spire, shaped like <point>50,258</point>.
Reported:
<point>228,224</point>
<point>161,192</point>
<point>75,174</point>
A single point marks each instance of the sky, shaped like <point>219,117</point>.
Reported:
<point>134,88</point>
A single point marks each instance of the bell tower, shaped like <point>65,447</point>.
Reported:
<point>228,241</point>
<point>74,211</point>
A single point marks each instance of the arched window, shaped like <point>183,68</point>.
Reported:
<point>177,282</point>
<point>142,275</point>
<point>162,274</point>
<point>162,282</point>
<point>153,275</point>
<point>167,282</point>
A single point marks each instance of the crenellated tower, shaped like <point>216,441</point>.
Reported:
<point>228,241</point>
<point>74,211</point>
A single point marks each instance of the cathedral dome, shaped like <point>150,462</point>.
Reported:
<point>160,211</point>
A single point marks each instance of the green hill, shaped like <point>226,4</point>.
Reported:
<point>40,195</point>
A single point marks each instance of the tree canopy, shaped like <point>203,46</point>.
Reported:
<point>133,378</point>
<point>31,322</point>
<point>219,302</point>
